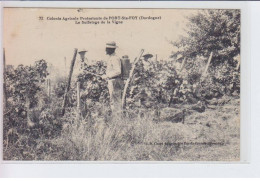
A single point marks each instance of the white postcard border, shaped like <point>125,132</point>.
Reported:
<point>245,167</point>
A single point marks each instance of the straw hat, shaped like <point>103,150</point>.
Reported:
<point>111,44</point>
<point>148,55</point>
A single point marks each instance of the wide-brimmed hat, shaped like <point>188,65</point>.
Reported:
<point>148,55</point>
<point>111,44</point>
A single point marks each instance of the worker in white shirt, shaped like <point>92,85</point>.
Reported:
<point>114,78</point>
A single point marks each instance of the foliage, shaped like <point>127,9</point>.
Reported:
<point>25,82</point>
<point>157,86</point>
<point>154,83</point>
<point>212,30</point>
<point>216,31</point>
<point>94,89</point>
<point>136,139</point>
<point>59,89</point>
<point>25,98</point>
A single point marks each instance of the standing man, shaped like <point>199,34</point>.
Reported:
<point>114,77</point>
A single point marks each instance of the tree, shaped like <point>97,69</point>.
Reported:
<point>216,31</point>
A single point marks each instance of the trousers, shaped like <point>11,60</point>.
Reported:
<point>115,87</point>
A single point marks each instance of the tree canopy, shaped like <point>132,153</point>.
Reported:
<point>216,31</point>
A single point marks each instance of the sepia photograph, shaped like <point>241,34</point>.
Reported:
<point>146,84</point>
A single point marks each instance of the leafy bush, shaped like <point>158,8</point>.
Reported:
<point>22,86</point>
<point>217,32</point>
<point>93,88</point>
<point>154,83</point>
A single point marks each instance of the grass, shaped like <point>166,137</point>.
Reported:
<point>213,135</point>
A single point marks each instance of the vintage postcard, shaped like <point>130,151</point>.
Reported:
<point>121,84</point>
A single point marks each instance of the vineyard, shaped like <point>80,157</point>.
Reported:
<point>185,108</point>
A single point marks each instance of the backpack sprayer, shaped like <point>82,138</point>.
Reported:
<point>126,73</point>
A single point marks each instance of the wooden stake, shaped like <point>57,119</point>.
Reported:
<point>130,79</point>
<point>69,80</point>
<point>78,96</point>
<point>49,87</point>
<point>4,86</point>
<point>30,124</point>
<point>238,64</point>
<point>204,73</point>
<point>183,64</point>
<point>207,66</point>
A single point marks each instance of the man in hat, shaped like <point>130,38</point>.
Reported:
<point>114,77</point>
<point>147,57</point>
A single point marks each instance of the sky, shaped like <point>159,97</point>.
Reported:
<point>27,38</point>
